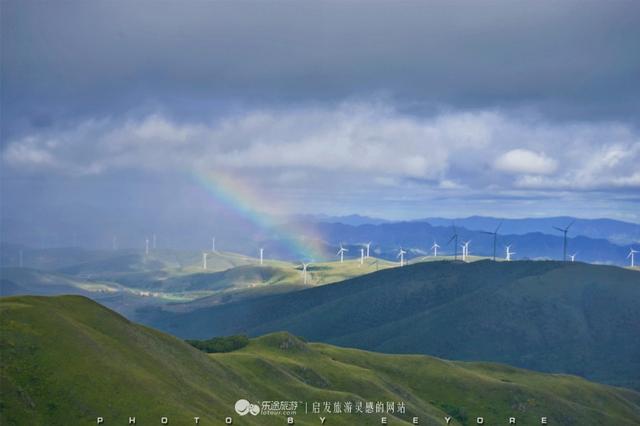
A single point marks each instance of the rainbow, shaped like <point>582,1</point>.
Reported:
<point>241,198</point>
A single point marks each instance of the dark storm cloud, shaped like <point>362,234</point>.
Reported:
<point>416,104</point>
<point>572,60</point>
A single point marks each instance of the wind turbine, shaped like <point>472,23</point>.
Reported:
<point>454,238</point>
<point>204,261</point>
<point>368,246</point>
<point>631,255</point>
<point>362,256</point>
<point>509,253</point>
<point>564,241</point>
<point>261,255</point>
<point>573,257</point>
<point>213,244</point>
<point>401,254</point>
<point>495,238</point>
<point>435,248</point>
<point>465,250</point>
<point>341,253</point>
<point>304,271</point>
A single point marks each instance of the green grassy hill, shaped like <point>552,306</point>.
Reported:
<point>67,360</point>
<point>171,279</point>
<point>549,316</point>
<point>30,281</point>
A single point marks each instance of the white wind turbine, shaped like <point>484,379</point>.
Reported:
<point>362,256</point>
<point>341,253</point>
<point>204,261</point>
<point>261,255</point>
<point>435,248</point>
<point>573,257</point>
<point>368,246</point>
<point>631,255</point>
<point>509,253</point>
<point>465,250</point>
<point>304,272</point>
<point>213,244</point>
<point>401,254</point>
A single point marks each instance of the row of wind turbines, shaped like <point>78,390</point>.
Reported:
<point>366,249</point>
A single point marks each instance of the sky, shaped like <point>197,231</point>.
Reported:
<point>118,114</point>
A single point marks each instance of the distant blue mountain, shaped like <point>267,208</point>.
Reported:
<point>352,219</point>
<point>417,238</point>
<point>618,232</point>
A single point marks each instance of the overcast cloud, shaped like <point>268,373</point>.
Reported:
<point>343,107</point>
<point>477,150</point>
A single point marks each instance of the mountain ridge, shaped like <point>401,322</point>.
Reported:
<point>547,316</point>
<point>68,360</point>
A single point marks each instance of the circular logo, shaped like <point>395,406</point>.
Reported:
<point>244,407</point>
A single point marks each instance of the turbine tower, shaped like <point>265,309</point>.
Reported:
<point>368,246</point>
<point>341,253</point>
<point>465,250</point>
<point>204,261</point>
<point>454,238</point>
<point>362,256</point>
<point>213,244</point>
<point>509,253</point>
<point>495,238</point>
<point>304,272</point>
<point>435,248</point>
<point>401,254</point>
<point>631,255</point>
<point>261,255</point>
<point>564,240</point>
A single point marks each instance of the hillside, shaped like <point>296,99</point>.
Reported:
<point>549,316</point>
<point>67,360</point>
<point>124,281</point>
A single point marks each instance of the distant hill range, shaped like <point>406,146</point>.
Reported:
<point>592,240</point>
<point>418,237</point>
<point>615,231</point>
<point>67,360</point>
<point>549,316</point>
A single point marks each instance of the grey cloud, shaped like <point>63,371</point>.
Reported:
<point>369,141</point>
<point>568,59</point>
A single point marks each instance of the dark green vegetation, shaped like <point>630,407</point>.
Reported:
<point>558,317</point>
<point>220,344</point>
<point>67,360</point>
